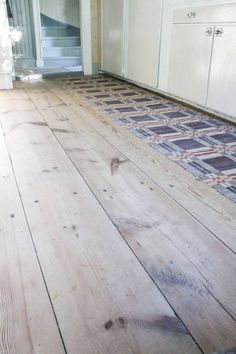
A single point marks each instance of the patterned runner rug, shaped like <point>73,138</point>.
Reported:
<point>203,145</point>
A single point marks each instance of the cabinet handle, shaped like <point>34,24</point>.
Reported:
<point>191,14</point>
<point>219,32</point>
<point>209,31</point>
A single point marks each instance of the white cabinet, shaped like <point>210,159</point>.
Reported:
<point>142,40</point>
<point>190,61</point>
<point>203,56</point>
<point>201,65</point>
<point>222,84</point>
<point>131,39</point>
<point>112,36</point>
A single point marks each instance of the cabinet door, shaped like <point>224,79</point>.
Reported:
<point>191,48</point>
<point>112,36</point>
<point>142,41</point>
<point>222,88</point>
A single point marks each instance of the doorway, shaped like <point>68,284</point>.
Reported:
<point>61,36</point>
<point>57,33</point>
<point>55,38</point>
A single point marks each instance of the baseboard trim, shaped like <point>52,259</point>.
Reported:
<point>164,94</point>
<point>6,81</point>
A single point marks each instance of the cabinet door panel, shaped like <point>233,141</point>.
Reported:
<point>112,35</point>
<point>222,88</point>
<point>142,42</point>
<point>189,62</point>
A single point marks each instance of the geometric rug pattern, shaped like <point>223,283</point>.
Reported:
<point>203,145</point>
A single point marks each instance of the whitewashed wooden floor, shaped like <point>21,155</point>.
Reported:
<point>106,246</point>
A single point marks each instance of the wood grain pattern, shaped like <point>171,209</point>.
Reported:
<point>215,212</point>
<point>183,257</point>
<point>26,317</point>
<point>104,300</point>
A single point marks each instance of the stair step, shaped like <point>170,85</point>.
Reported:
<point>61,62</point>
<point>70,41</point>
<point>60,31</point>
<point>61,52</point>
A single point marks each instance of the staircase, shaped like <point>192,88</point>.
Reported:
<point>61,44</point>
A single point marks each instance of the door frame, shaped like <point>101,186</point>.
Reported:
<point>5,50</point>
<point>86,35</point>
<point>37,33</point>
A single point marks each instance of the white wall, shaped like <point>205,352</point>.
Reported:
<point>67,11</point>
<point>142,42</point>
<point>131,39</point>
<point>113,36</point>
<point>168,7</point>
<point>5,50</point>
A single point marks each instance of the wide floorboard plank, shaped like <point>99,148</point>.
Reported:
<point>27,322</point>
